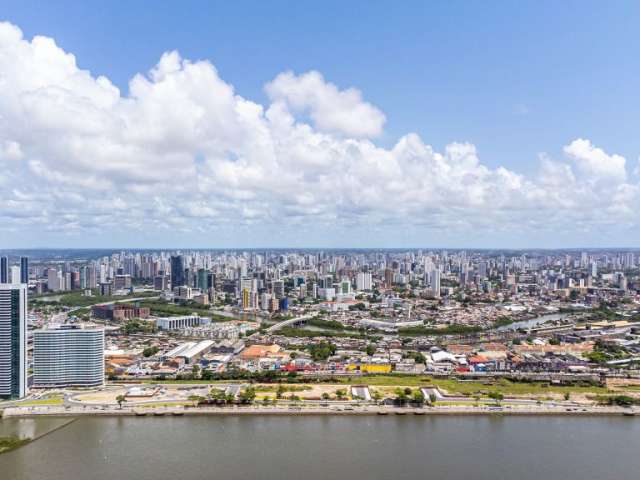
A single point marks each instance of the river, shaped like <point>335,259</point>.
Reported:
<point>533,322</point>
<point>331,447</point>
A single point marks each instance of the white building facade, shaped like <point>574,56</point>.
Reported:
<point>68,356</point>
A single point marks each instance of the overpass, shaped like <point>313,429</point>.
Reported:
<point>290,322</point>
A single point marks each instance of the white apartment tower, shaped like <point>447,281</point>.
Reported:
<point>68,356</point>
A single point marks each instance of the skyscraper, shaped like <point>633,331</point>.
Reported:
<point>13,340</point>
<point>24,269</point>
<point>4,270</point>
<point>177,271</point>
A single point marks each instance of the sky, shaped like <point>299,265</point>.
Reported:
<point>319,124</point>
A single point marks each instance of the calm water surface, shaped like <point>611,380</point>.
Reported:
<point>311,448</point>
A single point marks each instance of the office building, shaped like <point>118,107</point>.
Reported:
<point>178,277</point>
<point>24,269</point>
<point>176,323</point>
<point>13,340</point>
<point>68,356</point>
<point>15,274</point>
<point>4,270</point>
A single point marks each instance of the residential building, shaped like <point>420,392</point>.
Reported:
<point>68,356</point>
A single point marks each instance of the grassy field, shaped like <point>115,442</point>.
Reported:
<point>42,401</point>
<point>470,388</point>
<point>452,386</point>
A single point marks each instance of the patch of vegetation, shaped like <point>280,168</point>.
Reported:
<point>503,321</point>
<point>77,299</point>
<point>301,333</point>
<point>150,351</point>
<point>448,330</point>
<point>617,400</point>
<point>52,400</point>
<point>330,324</point>
<point>321,351</point>
<point>168,309</point>
<point>136,325</point>
<point>11,443</point>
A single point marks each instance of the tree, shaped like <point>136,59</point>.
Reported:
<point>401,396</point>
<point>248,395</point>
<point>195,371</point>
<point>497,396</point>
<point>418,398</point>
<point>376,395</point>
<point>371,349</point>
<point>567,396</point>
<point>321,351</point>
<point>121,399</point>
<point>150,351</point>
<point>218,395</point>
<point>340,394</point>
<point>280,391</point>
<point>432,398</point>
<point>325,396</point>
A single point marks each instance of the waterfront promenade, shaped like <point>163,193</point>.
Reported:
<point>357,409</point>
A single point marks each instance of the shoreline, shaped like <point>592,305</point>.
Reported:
<point>275,411</point>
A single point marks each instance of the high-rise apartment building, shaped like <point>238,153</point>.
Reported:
<point>13,340</point>
<point>68,356</point>
<point>363,281</point>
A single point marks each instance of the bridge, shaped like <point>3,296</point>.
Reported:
<point>292,321</point>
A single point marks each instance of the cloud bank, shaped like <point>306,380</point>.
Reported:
<point>182,151</point>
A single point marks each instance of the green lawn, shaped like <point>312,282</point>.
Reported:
<point>457,387</point>
<point>451,385</point>
<point>42,401</point>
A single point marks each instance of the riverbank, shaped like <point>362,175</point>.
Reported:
<point>290,410</point>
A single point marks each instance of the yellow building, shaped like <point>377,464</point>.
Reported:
<point>370,367</point>
<point>245,299</point>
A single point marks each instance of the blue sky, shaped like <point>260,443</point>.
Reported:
<point>515,79</point>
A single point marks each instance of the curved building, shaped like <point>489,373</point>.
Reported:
<point>68,356</point>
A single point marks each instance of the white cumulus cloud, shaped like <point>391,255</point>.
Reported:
<point>184,152</point>
<point>331,109</point>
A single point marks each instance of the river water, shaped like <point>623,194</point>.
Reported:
<point>534,322</point>
<point>331,447</point>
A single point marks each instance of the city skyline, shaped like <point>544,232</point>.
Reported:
<point>298,150</point>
